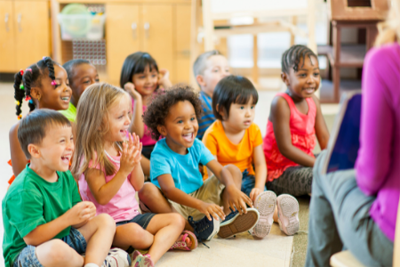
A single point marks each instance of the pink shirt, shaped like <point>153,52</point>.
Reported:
<point>146,139</point>
<point>123,206</point>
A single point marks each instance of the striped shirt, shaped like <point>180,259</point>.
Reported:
<point>208,116</point>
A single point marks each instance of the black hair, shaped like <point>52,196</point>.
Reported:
<point>70,65</point>
<point>136,63</point>
<point>158,110</point>
<point>33,127</point>
<point>293,55</point>
<point>24,80</point>
<point>232,89</point>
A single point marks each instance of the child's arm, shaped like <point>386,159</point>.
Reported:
<point>280,117</point>
<point>236,198</point>
<point>261,172</point>
<point>164,80</point>
<point>320,126</point>
<point>103,192</point>
<point>18,157</point>
<point>137,125</point>
<point>171,192</point>
<point>76,216</point>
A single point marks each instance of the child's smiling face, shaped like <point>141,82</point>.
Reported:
<point>84,76</point>
<point>146,83</point>
<point>306,80</point>
<point>180,127</point>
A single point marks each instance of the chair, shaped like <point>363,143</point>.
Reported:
<point>225,10</point>
<point>346,259</point>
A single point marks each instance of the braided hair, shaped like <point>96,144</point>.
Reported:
<point>24,80</point>
<point>292,57</point>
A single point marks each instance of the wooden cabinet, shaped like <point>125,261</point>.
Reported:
<point>24,36</point>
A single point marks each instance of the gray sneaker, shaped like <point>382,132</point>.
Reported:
<point>288,214</point>
<point>117,258</point>
<point>265,204</point>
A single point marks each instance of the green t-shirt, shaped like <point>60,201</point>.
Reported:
<point>70,113</point>
<point>32,201</point>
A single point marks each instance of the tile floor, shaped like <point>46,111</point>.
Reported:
<point>275,250</point>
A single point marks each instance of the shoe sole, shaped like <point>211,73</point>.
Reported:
<point>265,204</point>
<point>141,261</point>
<point>239,224</point>
<point>289,207</point>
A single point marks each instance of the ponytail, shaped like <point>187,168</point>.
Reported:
<point>19,92</point>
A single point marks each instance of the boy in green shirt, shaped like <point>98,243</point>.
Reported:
<point>45,221</point>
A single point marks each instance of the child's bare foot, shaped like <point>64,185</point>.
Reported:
<point>186,241</point>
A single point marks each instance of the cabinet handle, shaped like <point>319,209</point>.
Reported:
<point>19,22</point>
<point>147,29</point>
<point>6,22</point>
<point>134,30</point>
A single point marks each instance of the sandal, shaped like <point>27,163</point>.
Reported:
<point>181,245</point>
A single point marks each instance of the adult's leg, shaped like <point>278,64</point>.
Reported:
<point>295,181</point>
<point>339,217</point>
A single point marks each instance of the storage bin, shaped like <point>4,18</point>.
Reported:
<point>85,26</point>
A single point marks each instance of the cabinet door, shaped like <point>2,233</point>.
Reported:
<point>157,31</point>
<point>123,35</point>
<point>7,51</point>
<point>32,31</point>
<point>183,69</point>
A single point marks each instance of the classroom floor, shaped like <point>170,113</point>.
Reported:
<point>244,250</point>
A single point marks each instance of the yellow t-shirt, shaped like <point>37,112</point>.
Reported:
<point>241,155</point>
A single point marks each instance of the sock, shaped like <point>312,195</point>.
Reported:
<point>91,265</point>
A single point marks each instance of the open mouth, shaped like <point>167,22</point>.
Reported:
<point>66,159</point>
<point>309,90</point>
<point>65,99</point>
<point>188,137</point>
<point>248,122</point>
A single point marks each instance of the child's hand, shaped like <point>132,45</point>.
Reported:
<point>131,154</point>
<point>81,212</point>
<point>212,210</point>
<point>130,88</point>
<point>237,199</point>
<point>164,78</point>
<point>254,193</point>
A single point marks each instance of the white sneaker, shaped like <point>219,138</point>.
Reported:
<point>288,214</point>
<point>265,204</point>
<point>117,258</point>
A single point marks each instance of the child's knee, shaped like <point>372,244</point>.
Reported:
<point>235,172</point>
<point>57,251</point>
<point>178,219</point>
<point>149,191</point>
<point>106,221</point>
<point>136,231</point>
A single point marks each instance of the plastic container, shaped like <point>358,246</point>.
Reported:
<point>81,26</point>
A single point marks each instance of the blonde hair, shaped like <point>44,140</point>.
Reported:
<point>92,125</point>
<point>389,30</point>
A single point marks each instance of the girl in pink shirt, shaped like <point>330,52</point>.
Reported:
<point>141,78</point>
<point>110,174</point>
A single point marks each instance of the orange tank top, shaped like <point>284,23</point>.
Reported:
<point>303,137</point>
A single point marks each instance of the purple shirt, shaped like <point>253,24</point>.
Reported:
<point>378,162</point>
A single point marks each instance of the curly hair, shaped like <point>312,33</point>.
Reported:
<point>159,108</point>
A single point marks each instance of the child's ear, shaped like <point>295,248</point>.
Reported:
<point>35,93</point>
<point>162,130</point>
<point>34,151</point>
<point>220,111</point>
<point>285,78</point>
<point>200,80</point>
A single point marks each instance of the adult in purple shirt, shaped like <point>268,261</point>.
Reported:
<point>356,209</point>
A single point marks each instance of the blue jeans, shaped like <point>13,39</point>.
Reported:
<point>27,256</point>
<point>248,183</point>
<point>142,219</point>
<point>339,219</point>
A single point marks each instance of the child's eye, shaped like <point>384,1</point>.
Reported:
<point>193,118</point>
<point>71,139</point>
<point>180,121</point>
<point>241,107</point>
<point>216,70</point>
<point>252,107</point>
<point>316,74</point>
<point>153,76</point>
<point>62,141</point>
<point>88,81</point>
<point>97,80</point>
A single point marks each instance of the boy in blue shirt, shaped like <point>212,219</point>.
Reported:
<point>174,171</point>
<point>45,221</point>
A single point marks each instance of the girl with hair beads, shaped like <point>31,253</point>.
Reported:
<point>109,174</point>
<point>141,78</point>
<point>294,121</point>
<point>45,85</point>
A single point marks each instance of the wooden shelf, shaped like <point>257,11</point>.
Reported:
<point>327,92</point>
<point>352,55</point>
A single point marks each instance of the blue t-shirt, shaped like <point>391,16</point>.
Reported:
<point>208,115</point>
<point>184,169</point>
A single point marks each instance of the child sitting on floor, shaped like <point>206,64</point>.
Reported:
<point>294,121</point>
<point>177,184</point>
<point>109,174</point>
<point>235,139</point>
<point>209,68</point>
<point>45,221</point>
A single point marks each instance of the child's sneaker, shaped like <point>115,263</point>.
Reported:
<point>139,260</point>
<point>204,229</point>
<point>288,214</point>
<point>235,223</point>
<point>117,258</point>
<point>265,204</point>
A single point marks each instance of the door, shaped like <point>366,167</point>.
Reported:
<point>157,29</point>
<point>7,50</point>
<point>32,32</point>
<point>123,35</point>
<point>183,69</point>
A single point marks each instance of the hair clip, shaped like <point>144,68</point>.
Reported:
<point>19,116</point>
<point>29,69</point>
<point>17,103</point>
<point>53,82</point>
<point>22,87</point>
<point>22,72</point>
<point>27,98</point>
<point>30,101</point>
<point>44,58</point>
